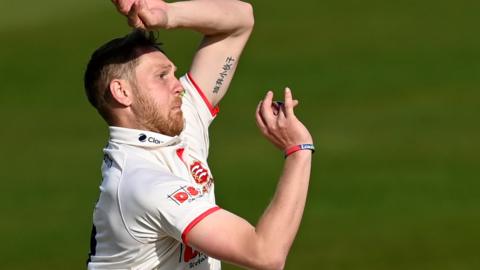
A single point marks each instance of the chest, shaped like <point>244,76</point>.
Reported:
<point>185,163</point>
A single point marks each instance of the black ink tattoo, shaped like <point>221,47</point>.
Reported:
<point>223,74</point>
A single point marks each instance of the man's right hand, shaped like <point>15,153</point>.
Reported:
<point>144,14</point>
<point>279,124</point>
<point>123,6</point>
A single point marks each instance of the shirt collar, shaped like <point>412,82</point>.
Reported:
<point>141,138</point>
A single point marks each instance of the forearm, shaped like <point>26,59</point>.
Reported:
<point>211,17</point>
<point>226,26</point>
<point>279,224</point>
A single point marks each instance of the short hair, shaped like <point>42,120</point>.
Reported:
<point>115,59</point>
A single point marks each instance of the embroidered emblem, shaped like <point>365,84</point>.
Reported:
<point>199,173</point>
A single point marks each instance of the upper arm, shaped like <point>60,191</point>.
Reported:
<point>217,57</point>
<point>227,237</point>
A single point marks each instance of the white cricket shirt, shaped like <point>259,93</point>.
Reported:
<point>155,189</point>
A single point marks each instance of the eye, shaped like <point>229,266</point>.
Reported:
<point>163,75</point>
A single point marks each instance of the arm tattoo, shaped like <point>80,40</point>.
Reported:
<point>223,74</point>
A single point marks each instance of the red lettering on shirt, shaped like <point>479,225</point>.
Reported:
<point>185,193</point>
<point>189,254</point>
<point>181,196</point>
<point>193,191</point>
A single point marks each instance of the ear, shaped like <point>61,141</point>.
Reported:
<point>121,91</point>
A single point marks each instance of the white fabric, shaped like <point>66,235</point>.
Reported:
<point>151,193</point>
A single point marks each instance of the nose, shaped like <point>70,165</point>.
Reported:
<point>177,87</point>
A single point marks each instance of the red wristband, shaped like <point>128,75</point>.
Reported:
<point>293,149</point>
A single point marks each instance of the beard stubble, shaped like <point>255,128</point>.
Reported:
<point>149,116</point>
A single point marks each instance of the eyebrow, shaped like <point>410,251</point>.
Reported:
<point>164,66</point>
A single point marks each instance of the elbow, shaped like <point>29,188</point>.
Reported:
<point>276,264</point>
<point>248,20</point>
<point>267,256</point>
<point>271,262</point>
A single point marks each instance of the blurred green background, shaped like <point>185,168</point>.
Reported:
<point>389,89</point>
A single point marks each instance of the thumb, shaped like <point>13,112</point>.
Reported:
<point>295,103</point>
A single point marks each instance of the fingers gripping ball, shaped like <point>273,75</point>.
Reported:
<point>280,105</point>
<point>278,123</point>
<point>277,106</point>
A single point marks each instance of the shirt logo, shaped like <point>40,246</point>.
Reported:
<point>143,138</point>
<point>185,193</point>
<point>200,174</point>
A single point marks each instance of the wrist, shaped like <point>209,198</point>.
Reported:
<point>179,14</point>
<point>299,156</point>
<point>299,148</point>
<point>170,22</point>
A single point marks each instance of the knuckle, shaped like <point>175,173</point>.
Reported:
<point>123,9</point>
<point>273,128</point>
<point>266,133</point>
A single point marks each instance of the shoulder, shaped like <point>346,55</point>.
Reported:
<point>196,96</point>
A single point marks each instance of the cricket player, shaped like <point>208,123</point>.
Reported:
<point>156,208</point>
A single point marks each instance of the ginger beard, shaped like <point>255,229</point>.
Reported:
<point>149,117</point>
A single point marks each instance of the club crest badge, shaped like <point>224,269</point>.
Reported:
<point>200,174</point>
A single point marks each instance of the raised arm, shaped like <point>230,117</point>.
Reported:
<point>225,24</point>
<point>228,237</point>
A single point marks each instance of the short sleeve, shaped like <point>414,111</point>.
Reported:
<point>182,207</point>
<point>198,98</point>
<point>199,114</point>
<point>165,205</point>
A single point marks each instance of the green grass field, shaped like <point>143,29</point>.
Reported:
<point>390,91</point>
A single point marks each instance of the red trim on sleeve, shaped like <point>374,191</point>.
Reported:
<point>213,110</point>
<point>196,221</point>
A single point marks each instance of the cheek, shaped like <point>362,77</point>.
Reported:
<point>161,103</point>
<point>163,109</point>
